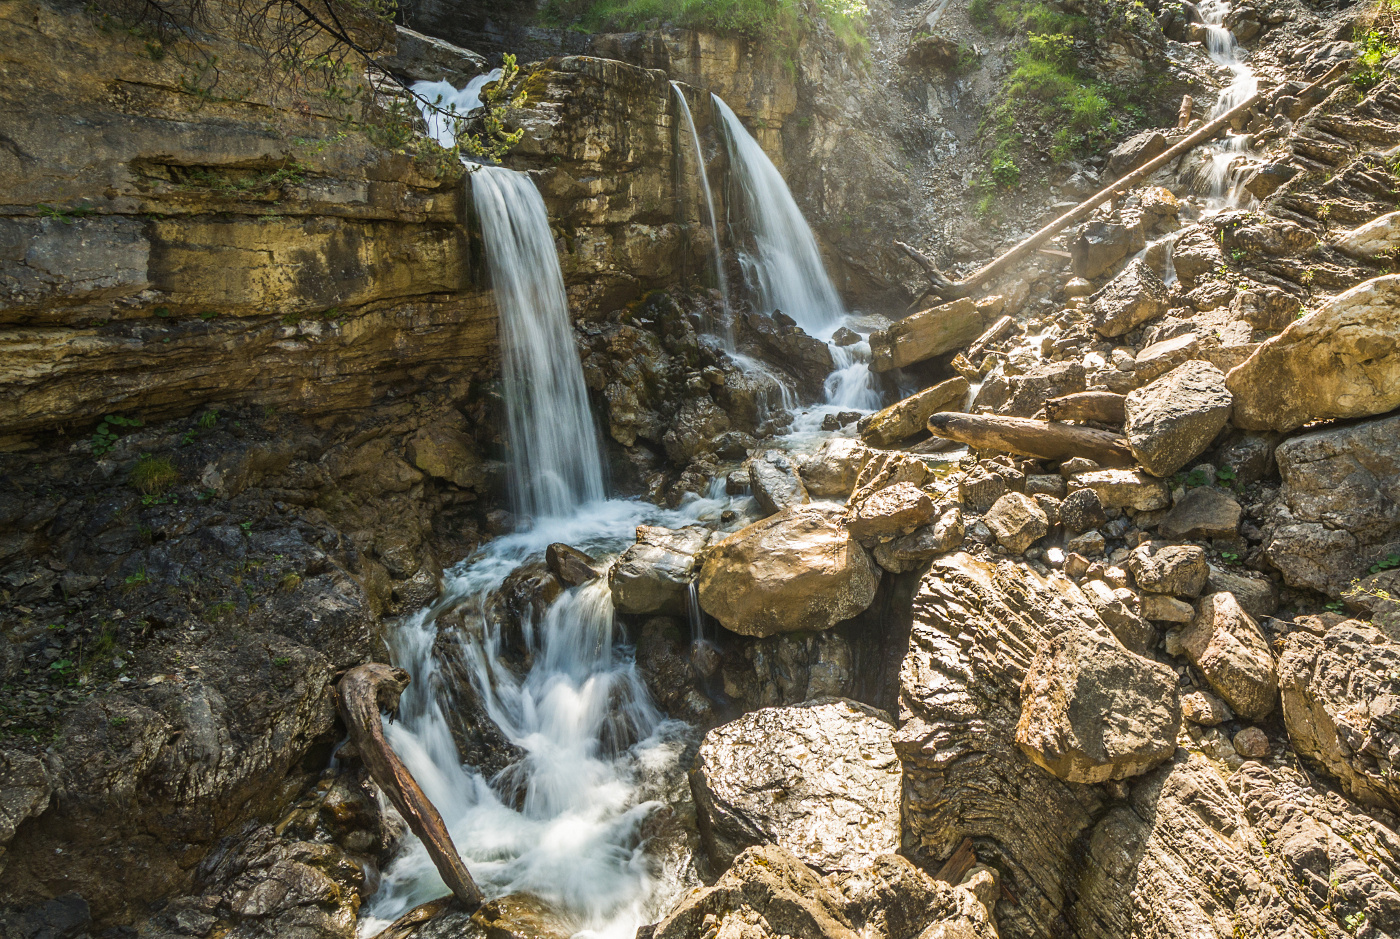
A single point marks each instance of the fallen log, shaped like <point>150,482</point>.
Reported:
<point>362,693</point>
<point>1043,440</point>
<point>1103,407</point>
<point>963,288</point>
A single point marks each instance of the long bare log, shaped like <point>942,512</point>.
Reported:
<point>362,693</point>
<point>1104,407</point>
<point>1043,440</point>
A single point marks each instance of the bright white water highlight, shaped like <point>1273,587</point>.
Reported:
<point>1222,173</point>
<point>460,103</point>
<point>556,463</point>
<point>563,823</point>
<point>784,268</point>
<point>709,207</point>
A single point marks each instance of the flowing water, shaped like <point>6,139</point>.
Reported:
<point>709,207</point>
<point>567,821</point>
<point>441,127</point>
<point>1223,173</point>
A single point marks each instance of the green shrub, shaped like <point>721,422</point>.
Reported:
<point>153,475</point>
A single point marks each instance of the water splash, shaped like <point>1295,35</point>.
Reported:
<point>442,127</point>
<point>721,276</point>
<point>784,266</point>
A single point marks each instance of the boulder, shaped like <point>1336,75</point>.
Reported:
<point>447,453</point>
<point>769,894</point>
<point>1340,707</point>
<point>1160,608</point>
<point>889,512</point>
<point>980,488</point>
<point>1081,511</point>
<point>1251,743</point>
<point>805,357</point>
<point>1120,609</point>
<point>1203,512</point>
<point>1204,708</point>
<point>698,422</point>
<point>831,471</point>
<point>424,58</point>
<point>1134,297</point>
<point>24,793</point>
<point>1172,420</point>
<point>818,779</point>
<point>1177,570</point>
<point>1091,711</point>
<point>1134,152</point>
<point>1123,489</point>
<point>909,418</point>
<point>800,569</point>
<point>774,482</point>
<point>572,566</point>
<point>914,549</point>
<point>1255,593</point>
<point>1340,504</point>
<point>1158,358</point>
<point>1268,308</point>
<point>1225,643</point>
<point>654,575</point>
<point>1098,246</point>
<point>1196,252</point>
<point>1336,362</point>
<point>927,333</point>
<point>1376,237</point>
<point>1018,522</point>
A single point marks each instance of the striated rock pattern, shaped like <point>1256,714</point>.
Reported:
<point>820,780</point>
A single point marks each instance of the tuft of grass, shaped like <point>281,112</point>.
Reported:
<point>153,475</point>
<point>289,582</point>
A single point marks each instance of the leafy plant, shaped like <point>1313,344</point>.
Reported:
<point>1226,474</point>
<point>66,216</point>
<point>282,661</point>
<point>105,437</point>
<point>61,667</point>
<point>1230,557</point>
<point>1390,562</point>
<point>1354,921</point>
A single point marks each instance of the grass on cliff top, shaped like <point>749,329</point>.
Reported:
<point>780,22</point>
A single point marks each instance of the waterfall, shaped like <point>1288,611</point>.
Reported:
<point>448,98</point>
<point>784,267</point>
<point>1221,172</point>
<point>709,205</point>
<point>555,460</point>
<point>565,821</point>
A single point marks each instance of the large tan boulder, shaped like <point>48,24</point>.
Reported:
<point>927,333</point>
<point>800,569</point>
<point>1338,361</point>
<point>819,779</point>
<point>1173,419</point>
<point>908,418</point>
<point>1225,643</point>
<point>654,575</point>
<point>890,512</point>
<point>832,469</point>
<point>1092,711</point>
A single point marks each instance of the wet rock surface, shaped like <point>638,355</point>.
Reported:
<point>819,780</point>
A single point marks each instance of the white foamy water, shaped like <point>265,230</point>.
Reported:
<point>556,463</point>
<point>784,266</point>
<point>1223,173</point>
<point>459,102</point>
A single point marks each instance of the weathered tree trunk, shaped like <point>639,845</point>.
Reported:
<point>1104,407</point>
<point>1040,439</point>
<point>362,693</point>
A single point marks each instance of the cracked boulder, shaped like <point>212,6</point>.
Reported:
<point>1173,420</point>
<point>1225,643</point>
<point>819,779</point>
<point>1092,711</point>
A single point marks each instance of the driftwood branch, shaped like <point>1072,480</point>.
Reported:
<point>362,693</point>
<point>1042,440</point>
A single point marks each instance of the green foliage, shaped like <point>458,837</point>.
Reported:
<point>1389,563</point>
<point>1377,47</point>
<point>777,22</point>
<point>66,216</point>
<point>105,437</point>
<point>282,661</point>
<point>153,475</point>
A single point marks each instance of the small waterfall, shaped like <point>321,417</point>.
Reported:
<point>785,267</point>
<point>461,103</point>
<point>709,207</point>
<point>1221,174</point>
<point>556,463</point>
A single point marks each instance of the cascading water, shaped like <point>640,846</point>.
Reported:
<point>458,103</point>
<point>556,463</point>
<point>1222,171</point>
<point>564,822</point>
<point>785,267</point>
<point>709,206</point>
